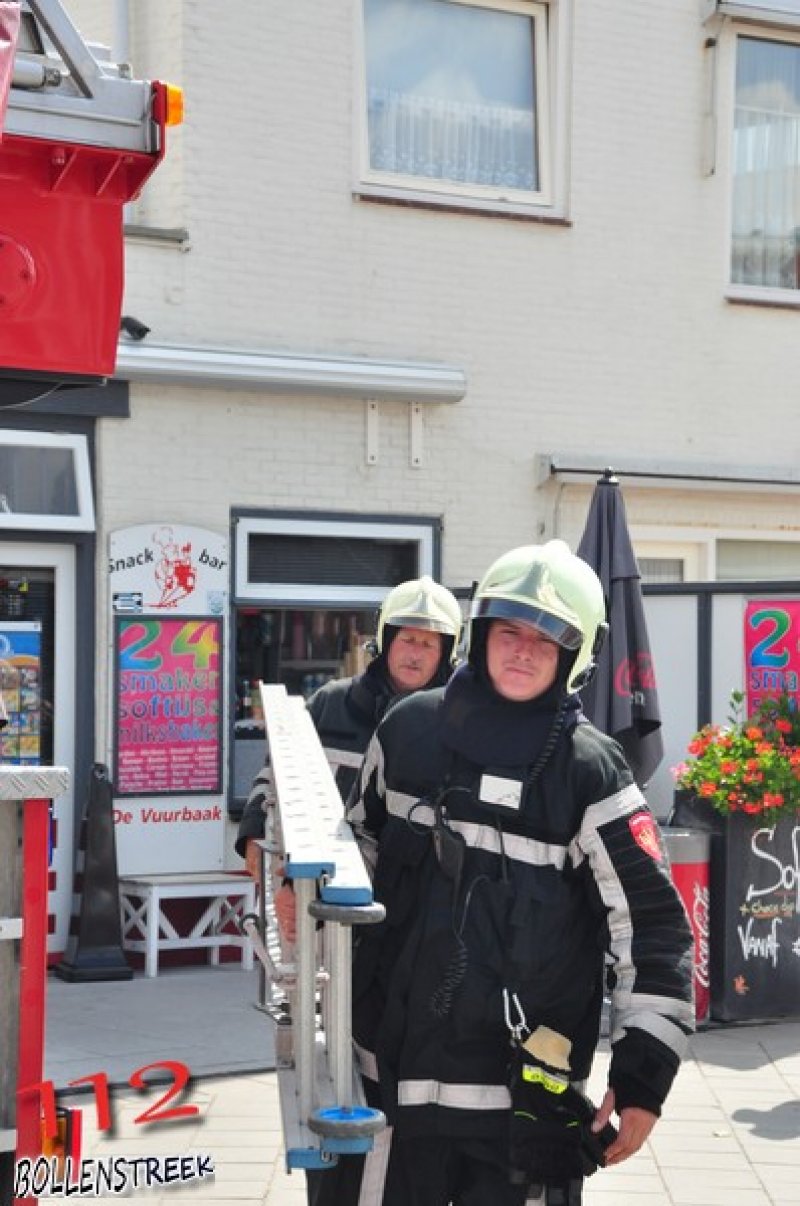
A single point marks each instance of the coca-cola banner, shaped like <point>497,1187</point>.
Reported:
<point>689,855</point>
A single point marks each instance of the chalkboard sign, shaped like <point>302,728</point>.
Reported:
<point>755,920</point>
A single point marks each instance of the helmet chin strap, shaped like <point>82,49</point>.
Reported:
<point>587,674</point>
<point>585,677</point>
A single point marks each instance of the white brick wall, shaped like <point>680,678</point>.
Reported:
<point>609,336</point>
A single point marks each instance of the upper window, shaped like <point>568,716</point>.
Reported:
<point>45,481</point>
<point>766,164</point>
<point>329,559</point>
<point>458,99</point>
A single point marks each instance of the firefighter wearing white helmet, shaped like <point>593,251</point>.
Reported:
<point>424,604</point>
<point>417,636</point>
<point>549,588</point>
<point>517,860</point>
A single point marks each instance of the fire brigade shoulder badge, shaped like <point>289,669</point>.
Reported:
<point>643,828</point>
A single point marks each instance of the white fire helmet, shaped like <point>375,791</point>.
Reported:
<point>420,603</point>
<point>548,587</point>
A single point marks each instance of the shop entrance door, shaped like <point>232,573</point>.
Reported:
<point>37,678</point>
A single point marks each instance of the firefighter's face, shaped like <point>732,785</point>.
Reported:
<point>413,658</point>
<point>521,663</point>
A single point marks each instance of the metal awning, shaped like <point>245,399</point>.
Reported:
<point>343,376</point>
<point>584,469</point>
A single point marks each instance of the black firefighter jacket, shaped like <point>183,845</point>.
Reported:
<point>345,712</point>
<point>553,898</point>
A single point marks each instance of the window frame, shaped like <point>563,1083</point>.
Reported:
<point>693,555</point>
<point>84,519</point>
<point>424,531</point>
<point>770,295</point>
<point>699,550</point>
<point>696,551</point>
<point>551,24</point>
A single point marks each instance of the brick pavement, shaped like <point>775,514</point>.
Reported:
<point>730,1134</point>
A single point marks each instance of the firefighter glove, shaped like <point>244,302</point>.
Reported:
<point>551,1138</point>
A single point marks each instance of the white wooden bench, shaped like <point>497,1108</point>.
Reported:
<point>147,929</point>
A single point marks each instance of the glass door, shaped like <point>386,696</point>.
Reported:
<point>37,680</point>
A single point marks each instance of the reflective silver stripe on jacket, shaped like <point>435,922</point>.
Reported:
<point>367,1063</point>
<point>336,757</point>
<point>480,837</point>
<point>371,767</point>
<point>666,1018</point>
<point>454,1097</point>
<point>375,1166</point>
<point>620,804</point>
<point>262,791</point>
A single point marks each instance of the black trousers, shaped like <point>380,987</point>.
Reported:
<point>336,1186</point>
<point>421,1172</point>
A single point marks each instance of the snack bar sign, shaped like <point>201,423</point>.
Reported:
<point>171,569</point>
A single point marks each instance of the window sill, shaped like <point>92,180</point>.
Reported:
<point>384,194</point>
<point>777,299</point>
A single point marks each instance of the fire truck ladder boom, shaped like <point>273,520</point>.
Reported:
<point>70,91</point>
<point>79,137</point>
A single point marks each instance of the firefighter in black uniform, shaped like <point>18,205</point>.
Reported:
<point>523,875</point>
<point>415,644</point>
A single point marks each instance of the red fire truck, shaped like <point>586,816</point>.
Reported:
<point>79,139</point>
<point>79,136</point>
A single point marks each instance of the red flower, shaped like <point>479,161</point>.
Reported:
<point>752,765</point>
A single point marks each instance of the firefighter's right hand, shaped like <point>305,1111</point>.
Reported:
<point>552,1142</point>
<point>252,858</point>
<point>286,912</point>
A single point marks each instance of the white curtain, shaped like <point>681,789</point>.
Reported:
<point>469,143</point>
<point>766,165</point>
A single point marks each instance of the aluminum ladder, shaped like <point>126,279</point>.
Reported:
<point>322,1103</point>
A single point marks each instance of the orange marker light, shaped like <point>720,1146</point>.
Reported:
<point>174,97</point>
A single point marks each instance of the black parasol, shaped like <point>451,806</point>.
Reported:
<point>622,698</point>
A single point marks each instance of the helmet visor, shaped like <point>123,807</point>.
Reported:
<point>553,627</point>
<point>428,623</point>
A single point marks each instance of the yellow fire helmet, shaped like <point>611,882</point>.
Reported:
<point>420,603</point>
<point>548,587</point>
